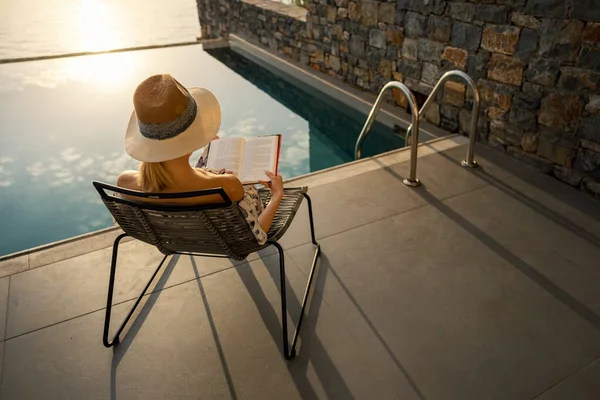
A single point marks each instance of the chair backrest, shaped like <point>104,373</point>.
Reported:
<point>216,229</point>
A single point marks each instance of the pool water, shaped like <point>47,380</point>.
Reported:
<point>62,125</point>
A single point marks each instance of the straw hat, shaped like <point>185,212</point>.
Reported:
<point>170,121</point>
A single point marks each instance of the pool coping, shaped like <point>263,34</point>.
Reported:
<point>49,253</point>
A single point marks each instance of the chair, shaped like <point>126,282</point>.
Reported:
<point>211,230</point>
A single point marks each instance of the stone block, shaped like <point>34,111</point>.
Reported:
<point>377,39</point>
<point>335,63</point>
<point>341,3</point>
<point>533,91</point>
<point>529,142</point>
<point>415,25</point>
<point>357,46</point>
<point>428,50</point>
<point>342,13</point>
<point>560,111</point>
<point>457,57</point>
<point>585,10</point>
<point>578,79</point>
<point>431,73</point>
<point>385,68</point>
<point>547,8</point>
<point>495,113</point>
<point>591,34</point>
<point>496,14</point>
<point>425,7</point>
<point>387,13</point>
<point>477,65</point>
<point>507,134</point>
<point>589,129</point>
<point>567,175</point>
<point>432,115</point>
<point>331,13</point>
<point>500,39</point>
<point>505,69</point>
<point>395,36</point>
<point>409,68</point>
<point>589,58</point>
<point>465,36</point>
<point>526,102</point>
<point>538,163</point>
<point>464,122</point>
<point>526,21</point>
<point>399,17</point>
<point>461,11</point>
<point>591,186</point>
<point>588,161</point>
<point>561,39</point>
<point>527,45</point>
<point>354,11</point>
<point>399,98</point>
<point>392,52</point>
<point>410,49</point>
<point>588,144</point>
<point>454,94</point>
<point>593,106</point>
<point>523,118</point>
<point>370,12</point>
<point>440,28</point>
<point>543,72</point>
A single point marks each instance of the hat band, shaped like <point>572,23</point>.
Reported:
<point>168,130</point>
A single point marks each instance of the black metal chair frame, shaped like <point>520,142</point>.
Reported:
<point>289,351</point>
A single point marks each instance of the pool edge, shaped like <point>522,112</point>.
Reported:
<point>48,253</point>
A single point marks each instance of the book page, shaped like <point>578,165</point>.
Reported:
<point>227,153</point>
<point>261,156</point>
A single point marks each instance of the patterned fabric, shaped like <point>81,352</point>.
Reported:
<point>251,207</point>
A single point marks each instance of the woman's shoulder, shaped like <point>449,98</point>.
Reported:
<point>128,180</point>
<point>230,183</point>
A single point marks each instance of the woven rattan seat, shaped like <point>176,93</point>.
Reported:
<point>212,230</point>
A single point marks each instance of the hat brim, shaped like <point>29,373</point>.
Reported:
<point>197,135</point>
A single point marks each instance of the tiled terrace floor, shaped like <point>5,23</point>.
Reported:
<point>481,284</point>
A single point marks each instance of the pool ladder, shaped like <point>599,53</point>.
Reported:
<point>416,115</point>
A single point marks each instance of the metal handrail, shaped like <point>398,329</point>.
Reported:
<point>469,162</point>
<point>412,178</point>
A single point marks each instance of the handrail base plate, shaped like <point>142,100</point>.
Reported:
<point>466,164</point>
<point>410,183</point>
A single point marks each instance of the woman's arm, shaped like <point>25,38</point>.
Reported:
<point>265,219</point>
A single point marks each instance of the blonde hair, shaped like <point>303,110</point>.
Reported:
<point>153,177</point>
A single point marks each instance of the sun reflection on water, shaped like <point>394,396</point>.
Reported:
<point>97,22</point>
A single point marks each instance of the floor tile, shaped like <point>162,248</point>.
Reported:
<point>581,385</point>
<point>78,285</point>
<point>215,338</point>
<point>444,315</point>
<point>14,265</point>
<point>4,284</point>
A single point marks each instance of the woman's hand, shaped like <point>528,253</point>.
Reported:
<point>275,185</point>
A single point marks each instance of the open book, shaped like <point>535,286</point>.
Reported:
<point>248,158</point>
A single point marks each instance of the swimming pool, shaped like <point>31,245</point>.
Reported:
<point>62,125</point>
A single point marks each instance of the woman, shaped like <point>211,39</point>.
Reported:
<point>169,123</point>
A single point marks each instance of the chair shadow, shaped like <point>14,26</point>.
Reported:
<point>535,205</point>
<point>542,281</point>
<point>129,335</point>
<point>310,349</point>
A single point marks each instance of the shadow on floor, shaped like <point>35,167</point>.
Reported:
<point>136,322</point>
<point>561,193</point>
<point>526,269</point>
<point>310,349</point>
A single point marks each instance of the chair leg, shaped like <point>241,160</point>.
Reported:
<point>111,286</point>
<point>290,353</point>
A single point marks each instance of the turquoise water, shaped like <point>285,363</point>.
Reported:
<point>62,125</point>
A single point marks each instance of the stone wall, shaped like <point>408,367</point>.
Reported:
<point>536,63</point>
